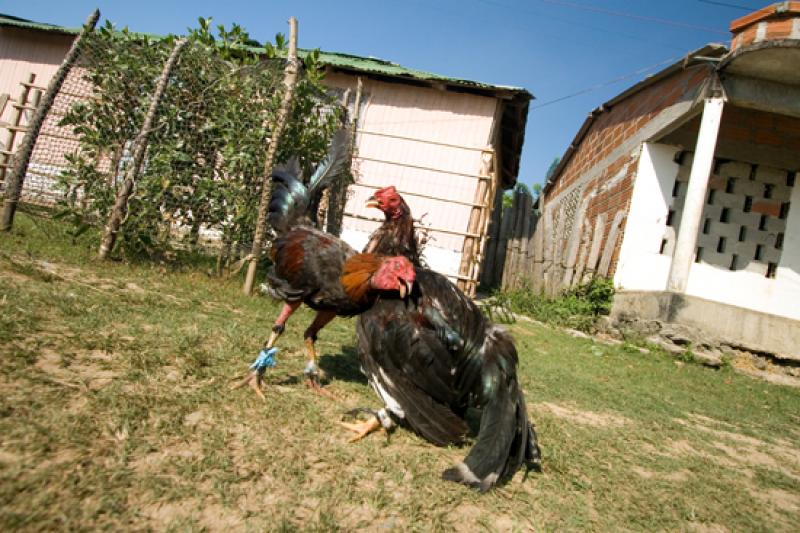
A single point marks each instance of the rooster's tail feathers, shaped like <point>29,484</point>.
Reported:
<point>506,439</point>
<point>290,198</point>
<point>288,203</point>
<point>334,165</point>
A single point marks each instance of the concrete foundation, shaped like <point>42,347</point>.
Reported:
<point>737,326</point>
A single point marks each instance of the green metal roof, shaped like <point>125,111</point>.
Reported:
<point>334,59</point>
<point>9,20</point>
<point>387,68</point>
<point>514,110</point>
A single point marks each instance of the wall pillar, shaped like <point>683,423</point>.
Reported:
<point>695,195</point>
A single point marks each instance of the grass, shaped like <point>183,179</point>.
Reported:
<point>116,413</point>
<point>577,308</point>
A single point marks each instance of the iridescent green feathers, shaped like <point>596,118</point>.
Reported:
<point>291,199</point>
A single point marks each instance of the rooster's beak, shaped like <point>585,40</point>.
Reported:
<point>372,202</point>
<point>405,288</point>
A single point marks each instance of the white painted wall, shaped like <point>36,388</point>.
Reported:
<point>779,296</point>
<point>22,53</point>
<point>432,146</point>
<point>640,266</point>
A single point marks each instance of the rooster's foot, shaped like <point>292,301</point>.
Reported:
<point>362,429</point>
<point>265,360</point>
<point>313,380</point>
<point>254,380</point>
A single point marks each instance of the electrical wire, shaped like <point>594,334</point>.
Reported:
<point>655,20</point>
<point>606,83</point>
<point>725,4</point>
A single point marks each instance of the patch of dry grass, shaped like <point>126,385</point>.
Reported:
<point>116,413</point>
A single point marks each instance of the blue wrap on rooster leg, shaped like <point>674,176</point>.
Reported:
<point>265,360</point>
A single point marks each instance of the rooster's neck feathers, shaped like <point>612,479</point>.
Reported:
<point>396,236</point>
<point>356,275</point>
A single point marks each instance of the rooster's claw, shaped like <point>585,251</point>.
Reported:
<point>254,380</point>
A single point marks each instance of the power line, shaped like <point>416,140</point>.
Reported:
<point>655,20</point>
<point>725,4</point>
<point>605,83</point>
<point>572,22</point>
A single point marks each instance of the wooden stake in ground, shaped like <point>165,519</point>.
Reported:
<point>290,81</point>
<point>16,179</point>
<point>120,209</point>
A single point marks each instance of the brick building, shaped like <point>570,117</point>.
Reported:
<point>681,189</point>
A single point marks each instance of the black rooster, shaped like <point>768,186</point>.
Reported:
<point>433,357</point>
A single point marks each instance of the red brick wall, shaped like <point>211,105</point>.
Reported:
<point>757,127</point>
<point>777,20</point>
<point>740,125</point>
<point>614,126</point>
<point>609,130</point>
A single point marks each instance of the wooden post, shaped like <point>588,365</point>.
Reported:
<point>539,236</point>
<point>513,244</point>
<point>120,209</point>
<point>326,212</point>
<point>489,274</point>
<point>487,210</point>
<point>507,242</point>
<point>502,246</point>
<point>527,227</point>
<point>16,179</point>
<point>289,81</point>
<point>471,245</point>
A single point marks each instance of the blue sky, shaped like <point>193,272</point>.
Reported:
<point>553,48</point>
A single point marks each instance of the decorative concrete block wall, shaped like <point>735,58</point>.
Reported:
<point>744,219</point>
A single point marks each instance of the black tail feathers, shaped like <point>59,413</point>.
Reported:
<point>291,199</point>
<point>505,443</point>
<point>506,440</point>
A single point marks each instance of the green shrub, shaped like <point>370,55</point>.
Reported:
<point>576,308</point>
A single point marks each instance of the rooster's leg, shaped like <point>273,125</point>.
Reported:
<point>255,378</point>
<point>313,372</point>
<point>280,322</point>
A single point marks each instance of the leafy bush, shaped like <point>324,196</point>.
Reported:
<point>576,308</point>
<point>206,153</point>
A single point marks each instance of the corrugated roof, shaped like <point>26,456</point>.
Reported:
<point>387,68</point>
<point>10,20</point>
<point>710,50</point>
<point>515,99</point>
<point>334,59</point>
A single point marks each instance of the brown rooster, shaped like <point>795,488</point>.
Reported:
<point>318,269</point>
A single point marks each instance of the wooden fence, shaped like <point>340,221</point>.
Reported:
<point>509,252</point>
<point>549,248</point>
